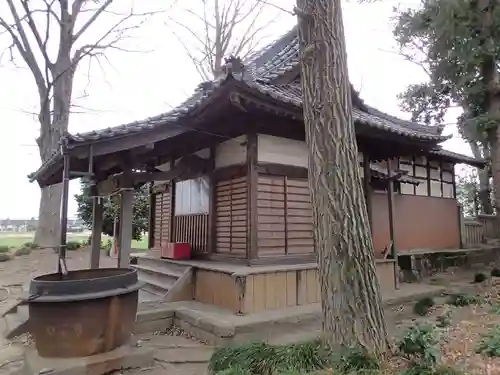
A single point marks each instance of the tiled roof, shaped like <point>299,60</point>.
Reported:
<point>261,69</point>
<point>379,172</point>
<point>292,94</point>
<point>453,156</point>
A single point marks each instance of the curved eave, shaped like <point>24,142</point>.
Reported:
<point>176,117</point>
<point>260,94</point>
<point>459,158</point>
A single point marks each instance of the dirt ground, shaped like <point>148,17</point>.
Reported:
<point>18,272</point>
<point>457,342</point>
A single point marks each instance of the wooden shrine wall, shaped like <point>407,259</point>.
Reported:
<point>162,219</point>
<point>231,217</point>
<point>284,216</point>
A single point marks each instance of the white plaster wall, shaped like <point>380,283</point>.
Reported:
<point>282,151</point>
<point>231,152</point>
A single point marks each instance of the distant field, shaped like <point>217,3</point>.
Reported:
<point>18,239</point>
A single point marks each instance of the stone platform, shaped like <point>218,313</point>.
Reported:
<point>217,326</point>
<point>124,357</point>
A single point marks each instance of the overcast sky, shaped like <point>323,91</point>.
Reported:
<point>137,85</point>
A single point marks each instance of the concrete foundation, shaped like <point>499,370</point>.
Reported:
<point>216,326</point>
<point>127,356</point>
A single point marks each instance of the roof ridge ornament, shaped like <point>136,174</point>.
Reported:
<point>234,67</point>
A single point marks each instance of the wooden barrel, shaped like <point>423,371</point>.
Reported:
<point>84,313</point>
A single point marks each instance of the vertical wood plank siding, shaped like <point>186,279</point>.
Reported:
<point>161,219</point>
<point>192,229</point>
<point>231,216</point>
<point>284,216</point>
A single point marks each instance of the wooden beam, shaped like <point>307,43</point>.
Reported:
<point>97,219</point>
<point>390,201</point>
<point>188,167</point>
<point>212,196</point>
<point>171,232</point>
<point>367,187</point>
<point>151,216</point>
<point>64,215</point>
<point>133,140</point>
<point>274,169</point>
<point>125,232</point>
<point>252,180</point>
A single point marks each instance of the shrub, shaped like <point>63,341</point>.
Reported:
<point>479,277</point>
<point>461,299</point>
<point>423,305</point>
<point>495,272</point>
<point>265,359</point>
<point>490,343</point>
<point>73,245</point>
<point>107,245</point>
<point>444,320</point>
<point>419,344</point>
<point>495,309</point>
<point>355,361</point>
<point>22,251</point>
<point>4,249</point>
<point>4,257</point>
<point>30,245</point>
<point>418,369</point>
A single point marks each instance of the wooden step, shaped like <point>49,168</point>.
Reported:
<point>162,265</point>
<point>158,281</point>
<point>153,268</point>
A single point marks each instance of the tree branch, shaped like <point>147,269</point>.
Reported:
<point>23,44</point>
<point>91,20</point>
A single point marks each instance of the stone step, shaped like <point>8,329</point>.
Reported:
<point>17,323</point>
<point>146,296</point>
<point>153,290</point>
<point>159,269</point>
<point>158,284</point>
<point>178,355</point>
<point>162,265</point>
<point>173,369</point>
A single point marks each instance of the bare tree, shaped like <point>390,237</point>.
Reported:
<point>219,28</point>
<point>350,292</point>
<point>52,37</point>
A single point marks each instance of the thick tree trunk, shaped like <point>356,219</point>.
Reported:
<point>350,290</point>
<point>484,181</point>
<point>52,129</point>
<point>49,213</point>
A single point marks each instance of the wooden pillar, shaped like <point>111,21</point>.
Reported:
<point>61,267</point>
<point>252,180</point>
<point>125,232</point>
<point>171,232</point>
<point>97,218</point>
<point>367,187</point>
<point>460,225</point>
<point>390,201</point>
<point>151,216</point>
<point>212,208</point>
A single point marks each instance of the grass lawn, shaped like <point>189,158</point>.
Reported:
<point>18,239</point>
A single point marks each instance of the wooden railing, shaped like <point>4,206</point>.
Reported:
<point>473,233</point>
<point>490,227</point>
<point>192,229</point>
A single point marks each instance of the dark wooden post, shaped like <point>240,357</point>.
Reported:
<point>367,176</point>
<point>125,232</point>
<point>151,215</point>
<point>97,218</point>
<point>390,201</point>
<point>212,226</point>
<point>252,180</point>
<point>171,230</point>
<point>64,216</point>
